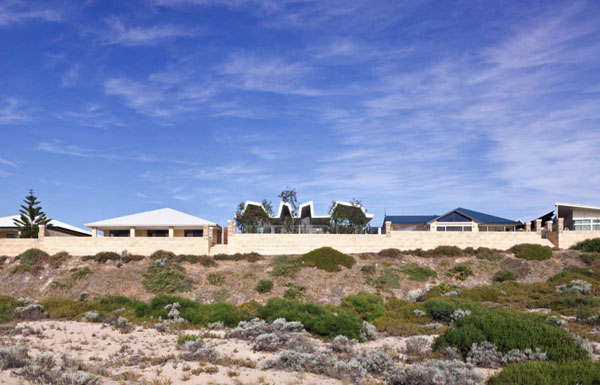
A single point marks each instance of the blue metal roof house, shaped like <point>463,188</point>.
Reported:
<point>459,219</point>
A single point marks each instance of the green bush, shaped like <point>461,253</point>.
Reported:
<point>368,269</point>
<point>417,273</point>
<point>388,279</point>
<point>294,291</point>
<point>589,258</point>
<point>77,274</point>
<point>250,257</point>
<point>531,252</point>
<point>166,280</point>
<point>508,330</point>
<point>264,286</point>
<point>368,306</point>
<point>204,260</point>
<point>33,257</point>
<point>216,279</point>
<point>326,321</point>
<point>182,339</point>
<point>7,307</point>
<point>328,259</point>
<point>390,253</point>
<point>440,290</point>
<point>104,256</point>
<point>285,266</point>
<point>589,245</point>
<point>461,271</point>
<point>163,254</point>
<point>441,309</point>
<point>549,373</point>
<point>505,275</point>
<point>488,254</point>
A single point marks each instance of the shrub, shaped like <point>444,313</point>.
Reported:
<point>250,257</point>
<point>285,266</point>
<point>57,259</point>
<point>531,252</point>
<point>441,310</point>
<point>589,245</point>
<point>166,279</point>
<point>589,258</point>
<point>390,253</point>
<point>104,256</point>
<point>221,295</point>
<point>461,271</point>
<point>31,261</point>
<point>216,279</point>
<point>7,308</point>
<point>368,269</point>
<point>294,291</point>
<point>417,273</point>
<point>543,373</point>
<point>77,274</point>
<point>204,260</point>
<point>327,259</point>
<point>488,254</point>
<point>163,254</point>
<point>388,279</point>
<point>508,330</point>
<point>435,372</point>
<point>504,275</point>
<point>368,306</point>
<point>264,286</point>
<point>320,320</point>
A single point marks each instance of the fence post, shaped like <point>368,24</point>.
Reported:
<point>561,224</point>
<point>41,231</point>
<point>538,226</point>
<point>388,229</point>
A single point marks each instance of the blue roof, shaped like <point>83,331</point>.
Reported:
<point>485,218</point>
<point>409,219</point>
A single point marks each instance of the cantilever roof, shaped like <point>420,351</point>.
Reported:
<point>9,222</point>
<point>576,206</point>
<point>161,217</point>
<point>309,204</point>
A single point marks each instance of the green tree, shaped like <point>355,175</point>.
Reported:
<point>31,217</point>
<point>251,218</point>
<point>347,219</point>
<point>289,196</point>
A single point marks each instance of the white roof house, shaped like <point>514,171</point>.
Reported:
<point>161,222</point>
<point>8,223</point>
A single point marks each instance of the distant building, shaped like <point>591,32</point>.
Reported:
<point>307,221</point>
<point>459,219</point>
<point>57,229</point>
<point>165,222</point>
<point>578,217</point>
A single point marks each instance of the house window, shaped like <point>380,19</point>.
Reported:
<point>158,233</point>
<point>194,233</point>
<point>11,235</point>
<point>454,228</point>
<point>118,233</point>
<point>586,224</point>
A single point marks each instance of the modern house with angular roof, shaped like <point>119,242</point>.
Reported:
<point>307,221</point>
<point>164,222</point>
<point>578,217</point>
<point>8,229</point>
<point>459,219</point>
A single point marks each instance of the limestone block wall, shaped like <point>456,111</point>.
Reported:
<point>567,239</point>
<point>88,245</point>
<point>273,244</point>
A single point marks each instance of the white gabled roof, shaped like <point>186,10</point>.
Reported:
<point>9,222</point>
<point>162,217</point>
<point>577,206</point>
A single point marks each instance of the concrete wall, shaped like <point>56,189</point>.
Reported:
<point>567,239</point>
<point>89,246</point>
<point>272,244</point>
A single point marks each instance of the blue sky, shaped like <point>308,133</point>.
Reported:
<point>415,107</point>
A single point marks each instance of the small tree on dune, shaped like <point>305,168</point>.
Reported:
<point>31,217</point>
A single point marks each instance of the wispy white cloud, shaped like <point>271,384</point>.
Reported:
<point>11,112</point>
<point>17,11</point>
<point>92,115</point>
<point>71,76</point>
<point>7,162</point>
<point>119,33</point>
<point>60,148</point>
<point>274,75</point>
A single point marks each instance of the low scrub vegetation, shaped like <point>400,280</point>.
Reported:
<point>544,373</point>
<point>250,257</point>
<point>589,245</point>
<point>461,271</point>
<point>367,305</point>
<point>33,261</point>
<point>327,259</point>
<point>264,286</point>
<point>216,279</point>
<point>389,253</point>
<point>508,330</point>
<point>505,275</point>
<point>589,258</point>
<point>417,273</point>
<point>166,279</point>
<point>531,252</point>
<point>285,266</point>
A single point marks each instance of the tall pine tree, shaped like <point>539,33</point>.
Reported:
<point>31,217</point>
